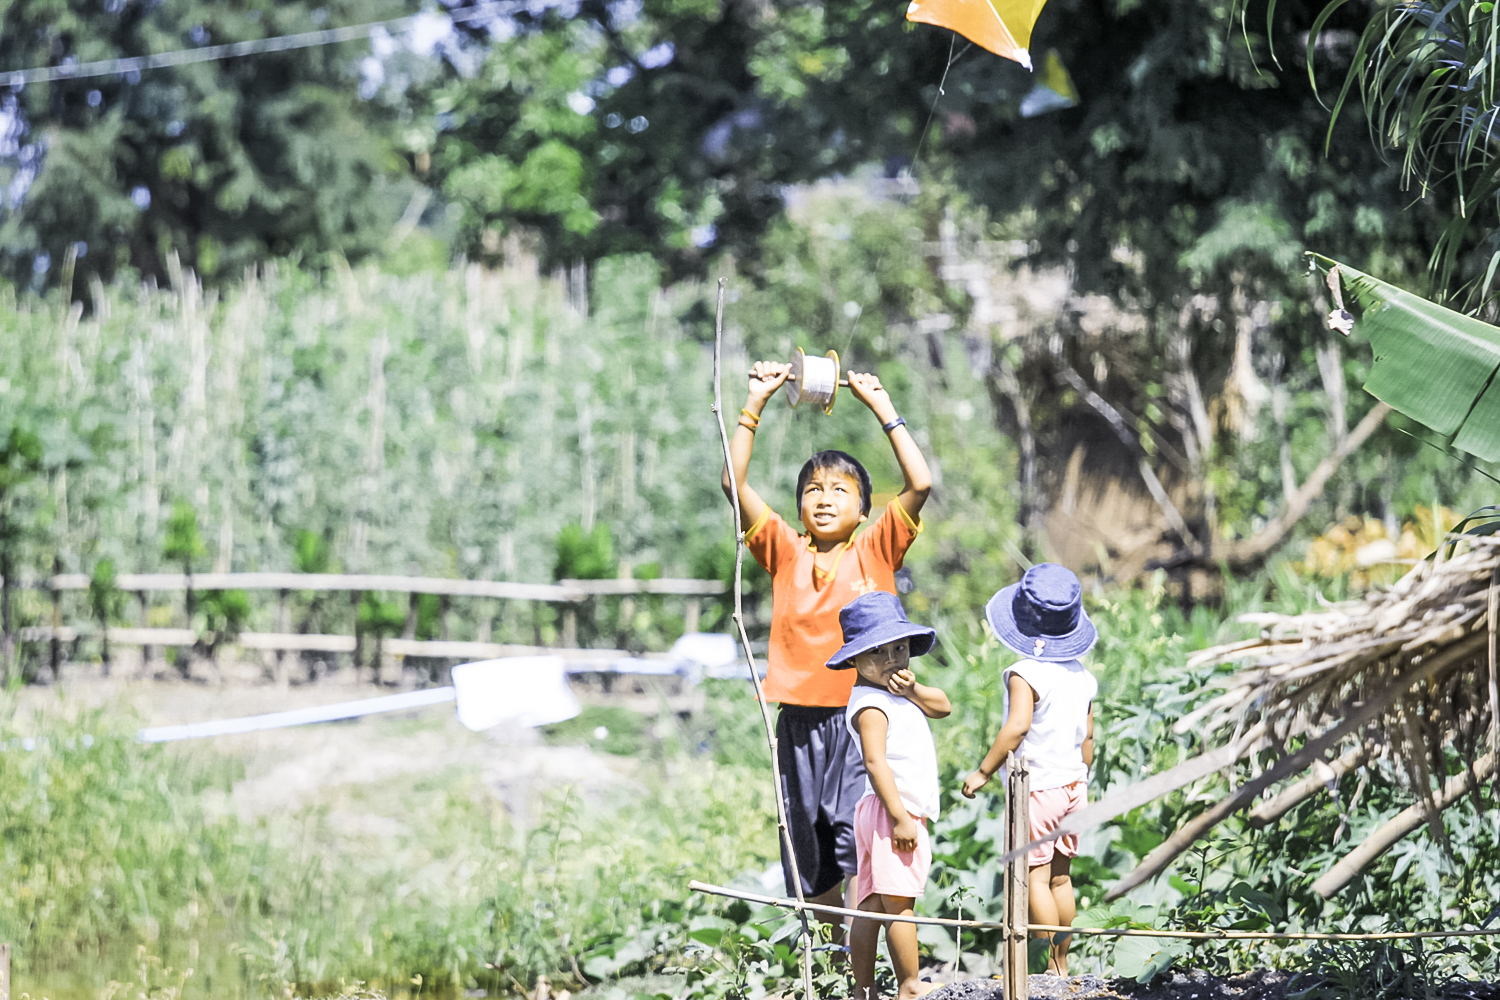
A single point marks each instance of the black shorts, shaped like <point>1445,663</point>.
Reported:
<point>822,779</point>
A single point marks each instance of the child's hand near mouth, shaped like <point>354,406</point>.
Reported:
<point>902,683</point>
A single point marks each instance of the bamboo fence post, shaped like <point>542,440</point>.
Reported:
<point>1017,913</point>
<point>739,621</point>
<point>56,644</point>
<point>283,625</point>
<point>4,972</point>
<point>355,596</point>
<point>148,652</point>
<point>690,615</point>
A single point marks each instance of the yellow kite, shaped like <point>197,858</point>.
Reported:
<point>1002,26</point>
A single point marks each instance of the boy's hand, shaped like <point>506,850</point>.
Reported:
<point>904,834</point>
<point>902,683</point>
<point>867,390</point>
<point>974,783</point>
<point>765,378</point>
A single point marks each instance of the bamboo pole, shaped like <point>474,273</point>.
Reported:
<point>1155,862</point>
<point>990,925</point>
<point>4,972</point>
<point>1493,621</point>
<point>1403,823</point>
<point>1322,776</point>
<point>739,622</point>
<point>1017,981</point>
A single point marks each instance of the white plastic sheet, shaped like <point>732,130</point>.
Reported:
<point>522,690</point>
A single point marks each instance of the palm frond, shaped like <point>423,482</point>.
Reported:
<point>1427,73</point>
<point>1434,364</point>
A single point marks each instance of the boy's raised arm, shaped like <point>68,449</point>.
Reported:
<point>765,378</point>
<point>868,390</point>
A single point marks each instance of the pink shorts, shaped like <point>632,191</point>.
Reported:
<point>882,868</point>
<point>1048,808</point>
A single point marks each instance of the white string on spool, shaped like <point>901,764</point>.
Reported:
<point>814,379</point>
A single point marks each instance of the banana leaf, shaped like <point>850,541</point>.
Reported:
<point>1433,364</point>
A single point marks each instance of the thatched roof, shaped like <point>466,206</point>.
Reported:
<point>1402,675</point>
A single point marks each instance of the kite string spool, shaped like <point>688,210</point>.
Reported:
<point>814,380</point>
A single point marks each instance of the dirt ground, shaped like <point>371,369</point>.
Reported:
<point>287,769</point>
<point>1197,985</point>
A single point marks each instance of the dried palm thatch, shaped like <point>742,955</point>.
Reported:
<point>1402,675</point>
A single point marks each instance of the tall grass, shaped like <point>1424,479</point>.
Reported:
<point>111,845</point>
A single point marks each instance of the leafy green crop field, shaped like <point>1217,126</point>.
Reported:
<point>128,869</point>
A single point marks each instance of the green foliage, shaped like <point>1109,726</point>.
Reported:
<point>1433,364</point>
<point>225,612</point>
<point>106,601</point>
<point>624,731</point>
<point>183,544</point>
<point>222,164</point>
<point>378,616</point>
<point>1425,75</point>
<point>311,552</point>
<point>585,555</point>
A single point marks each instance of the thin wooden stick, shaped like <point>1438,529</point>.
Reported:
<point>990,925</point>
<point>1017,880</point>
<point>739,621</point>
<point>1273,809</point>
<point>1494,629</point>
<point>843,382</point>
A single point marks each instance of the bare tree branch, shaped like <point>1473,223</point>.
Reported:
<point>1127,436</point>
<point>1255,548</point>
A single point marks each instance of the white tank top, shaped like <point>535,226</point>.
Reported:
<point>1059,721</point>
<point>909,749</point>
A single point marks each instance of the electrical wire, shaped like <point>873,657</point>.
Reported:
<point>278,43</point>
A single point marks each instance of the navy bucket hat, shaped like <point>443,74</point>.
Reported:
<point>1042,617</point>
<point>873,620</point>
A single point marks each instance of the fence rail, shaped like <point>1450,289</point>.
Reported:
<point>566,591</point>
<point>309,643</point>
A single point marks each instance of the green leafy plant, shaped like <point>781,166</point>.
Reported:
<point>105,602</point>
<point>585,555</point>
<point>1431,363</point>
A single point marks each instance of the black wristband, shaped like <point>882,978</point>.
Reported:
<point>893,424</point>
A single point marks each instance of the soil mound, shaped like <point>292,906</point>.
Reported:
<point>1259,985</point>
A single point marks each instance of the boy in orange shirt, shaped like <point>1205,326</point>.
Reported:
<point>813,575</point>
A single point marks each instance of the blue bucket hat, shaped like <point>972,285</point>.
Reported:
<point>1042,617</point>
<point>873,620</point>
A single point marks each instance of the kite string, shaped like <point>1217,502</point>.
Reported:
<point>953,40</point>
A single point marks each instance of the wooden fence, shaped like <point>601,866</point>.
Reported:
<point>568,594</point>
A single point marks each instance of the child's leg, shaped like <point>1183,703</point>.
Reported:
<point>1061,885</point>
<point>1043,905</point>
<point>864,938</point>
<point>901,941</point>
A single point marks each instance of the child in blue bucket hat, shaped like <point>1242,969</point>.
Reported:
<point>1049,721</point>
<point>887,713</point>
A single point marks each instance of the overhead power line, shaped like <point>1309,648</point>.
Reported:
<point>278,43</point>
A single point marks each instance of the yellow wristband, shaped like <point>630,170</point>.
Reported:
<point>752,416</point>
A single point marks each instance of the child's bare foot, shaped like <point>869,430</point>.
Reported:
<point>918,988</point>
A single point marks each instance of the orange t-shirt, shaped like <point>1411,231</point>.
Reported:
<point>805,602</point>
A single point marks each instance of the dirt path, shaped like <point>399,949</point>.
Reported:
<point>286,770</point>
